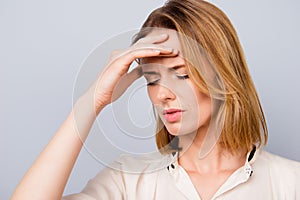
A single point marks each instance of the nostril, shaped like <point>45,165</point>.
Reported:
<point>166,96</point>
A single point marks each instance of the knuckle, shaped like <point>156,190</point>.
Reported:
<point>141,40</point>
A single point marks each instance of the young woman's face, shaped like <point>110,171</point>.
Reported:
<point>180,105</point>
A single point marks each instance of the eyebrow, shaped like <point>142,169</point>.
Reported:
<point>170,69</point>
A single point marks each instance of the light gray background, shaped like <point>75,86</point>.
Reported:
<point>42,44</point>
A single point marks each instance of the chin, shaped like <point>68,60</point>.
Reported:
<point>181,131</point>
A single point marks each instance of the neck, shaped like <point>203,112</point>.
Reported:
<point>215,160</point>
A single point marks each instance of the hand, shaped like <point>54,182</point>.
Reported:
<point>114,79</point>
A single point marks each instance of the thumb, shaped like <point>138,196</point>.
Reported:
<point>125,81</point>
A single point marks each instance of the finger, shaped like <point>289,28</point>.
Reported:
<point>133,75</point>
<point>155,39</point>
<point>163,50</point>
<point>125,81</point>
<point>161,47</point>
<point>129,56</point>
<point>163,53</point>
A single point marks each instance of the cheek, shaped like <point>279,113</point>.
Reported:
<point>204,108</point>
<point>202,104</point>
<point>152,94</point>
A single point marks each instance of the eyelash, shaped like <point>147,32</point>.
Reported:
<point>181,77</point>
<point>152,83</point>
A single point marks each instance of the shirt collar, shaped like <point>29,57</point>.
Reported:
<point>241,175</point>
<point>250,159</point>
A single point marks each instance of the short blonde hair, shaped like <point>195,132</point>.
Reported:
<point>245,123</point>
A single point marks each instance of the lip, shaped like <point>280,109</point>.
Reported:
<point>171,111</point>
<point>173,114</point>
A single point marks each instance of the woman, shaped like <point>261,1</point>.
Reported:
<point>210,121</point>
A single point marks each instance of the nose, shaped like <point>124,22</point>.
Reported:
<point>164,94</point>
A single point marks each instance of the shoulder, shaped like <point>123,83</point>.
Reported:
<point>130,169</point>
<point>278,162</point>
<point>127,177</point>
<point>136,175</point>
<point>148,163</point>
<point>282,172</point>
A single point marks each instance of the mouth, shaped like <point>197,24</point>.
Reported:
<point>173,115</point>
<point>171,111</point>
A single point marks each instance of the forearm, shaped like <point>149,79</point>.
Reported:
<point>47,177</point>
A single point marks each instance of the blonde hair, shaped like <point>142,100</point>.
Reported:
<point>244,123</point>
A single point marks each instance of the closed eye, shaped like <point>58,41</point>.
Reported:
<point>185,76</point>
<point>152,82</point>
<point>151,77</point>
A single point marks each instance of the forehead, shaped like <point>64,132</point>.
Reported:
<point>173,42</point>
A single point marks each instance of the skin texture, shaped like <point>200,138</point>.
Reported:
<point>210,172</point>
<point>47,177</point>
<point>171,91</point>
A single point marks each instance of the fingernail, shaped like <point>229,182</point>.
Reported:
<point>164,35</point>
<point>175,51</point>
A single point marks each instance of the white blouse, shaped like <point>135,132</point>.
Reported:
<point>265,176</point>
